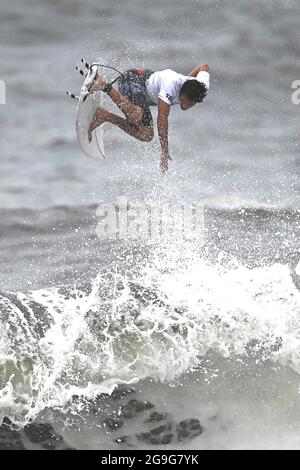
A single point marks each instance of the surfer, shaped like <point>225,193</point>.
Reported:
<point>138,89</point>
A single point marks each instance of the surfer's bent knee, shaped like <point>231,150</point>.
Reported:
<point>146,132</point>
<point>136,118</point>
<point>149,134</point>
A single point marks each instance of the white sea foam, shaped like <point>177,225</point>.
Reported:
<point>57,343</point>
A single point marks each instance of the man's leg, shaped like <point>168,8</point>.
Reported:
<point>132,112</point>
<point>138,131</point>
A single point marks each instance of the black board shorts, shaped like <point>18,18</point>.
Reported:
<point>133,85</point>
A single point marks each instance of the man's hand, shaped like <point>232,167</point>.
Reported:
<point>164,161</point>
<point>199,68</point>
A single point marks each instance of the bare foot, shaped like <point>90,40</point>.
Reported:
<point>98,84</point>
<point>99,118</point>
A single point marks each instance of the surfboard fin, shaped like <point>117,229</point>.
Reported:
<point>85,70</point>
<point>75,97</point>
<point>81,71</point>
<point>86,65</point>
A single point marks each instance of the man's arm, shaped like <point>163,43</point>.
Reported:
<point>199,68</point>
<point>162,127</point>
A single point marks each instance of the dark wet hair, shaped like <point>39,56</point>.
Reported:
<point>195,91</point>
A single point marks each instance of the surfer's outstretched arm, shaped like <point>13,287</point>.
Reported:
<point>162,127</point>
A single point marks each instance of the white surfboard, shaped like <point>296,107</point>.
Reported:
<point>85,112</point>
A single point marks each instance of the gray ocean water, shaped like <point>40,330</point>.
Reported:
<point>112,343</point>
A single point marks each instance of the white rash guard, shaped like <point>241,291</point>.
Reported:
<point>165,84</point>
